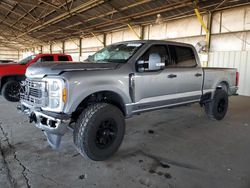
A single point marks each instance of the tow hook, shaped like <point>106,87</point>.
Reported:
<point>20,108</point>
<point>33,117</point>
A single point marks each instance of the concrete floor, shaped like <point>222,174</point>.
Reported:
<point>168,148</point>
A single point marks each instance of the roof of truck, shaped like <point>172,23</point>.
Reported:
<point>52,54</point>
<point>157,42</point>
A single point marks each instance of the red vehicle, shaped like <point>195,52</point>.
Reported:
<point>12,74</point>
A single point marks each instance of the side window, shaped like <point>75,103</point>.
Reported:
<point>63,58</point>
<point>182,56</point>
<point>45,58</point>
<point>154,59</point>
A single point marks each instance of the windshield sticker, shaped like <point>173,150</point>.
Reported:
<point>134,44</point>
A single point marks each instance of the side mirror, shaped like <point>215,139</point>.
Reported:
<point>154,62</point>
<point>140,66</point>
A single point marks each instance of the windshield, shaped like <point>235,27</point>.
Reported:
<point>26,60</point>
<point>117,53</point>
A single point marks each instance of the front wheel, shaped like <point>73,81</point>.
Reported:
<point>217,108</point>
<point>11,91</point>
<point>99,131</point>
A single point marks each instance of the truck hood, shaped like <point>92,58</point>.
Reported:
<point>39,70</point>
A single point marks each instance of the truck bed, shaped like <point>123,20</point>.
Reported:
<point>215,76</point>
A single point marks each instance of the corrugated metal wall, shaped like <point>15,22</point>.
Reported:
<point>234,59</point>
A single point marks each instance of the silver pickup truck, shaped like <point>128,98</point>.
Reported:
<point>121,80</point>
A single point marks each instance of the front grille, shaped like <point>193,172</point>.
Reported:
<point>36,92</point>
<point>33,92</point>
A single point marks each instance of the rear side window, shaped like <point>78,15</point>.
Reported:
<point>63,58</point>
<point>45,58</point>
<point>182,56</point>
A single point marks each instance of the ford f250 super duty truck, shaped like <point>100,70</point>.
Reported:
<point>124,79</point>
<point>12,74</point>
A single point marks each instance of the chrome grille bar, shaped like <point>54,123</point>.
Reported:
<point>33,92</point>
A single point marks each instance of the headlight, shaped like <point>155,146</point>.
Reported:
<point>57,94</point>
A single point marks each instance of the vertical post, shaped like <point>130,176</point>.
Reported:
<point>63,47</point>
<point>104,39</point>
<point>50,48</point>
<point>142,32</point>
<point>209,26</point>
<point>41,49</point>
<point>80,48</point>
<point>220,22</point>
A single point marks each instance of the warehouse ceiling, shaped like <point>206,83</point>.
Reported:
<point>25,23</point>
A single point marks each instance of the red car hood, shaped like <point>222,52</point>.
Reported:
<point>11,69</point>
<point>8,64</point>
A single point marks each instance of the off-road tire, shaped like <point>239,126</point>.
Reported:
<point>217,108</point>
<point>88,126</point>
<point>11,91</point>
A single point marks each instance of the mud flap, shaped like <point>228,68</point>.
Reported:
<point>54,140</point>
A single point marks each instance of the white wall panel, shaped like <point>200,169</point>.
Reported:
<point>37,50</point>
<point>234,59</point>
<point>92,42</point>
<point>157,31</point>
<point>71,44</point>
<point>123,35</point>
<point>57,47</point>
<point>117,36</point>
<point>109,39</point>
<point>183,28</point>
<point>247,19</point>
<point>71,47</point>
<point>216,23</point>
<point>130,35</point>
<point>46,49</point>
<point>227,42</point>
<point>247,41</point>
<point>233,20</point>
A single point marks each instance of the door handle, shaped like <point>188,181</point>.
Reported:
<point>198,74</point>
<point>172,76</point>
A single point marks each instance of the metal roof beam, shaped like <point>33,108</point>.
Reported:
<point>63,16</point>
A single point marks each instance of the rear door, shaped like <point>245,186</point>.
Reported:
<point>189,75</point>
<point>46,58</point>
<point>63,58</point>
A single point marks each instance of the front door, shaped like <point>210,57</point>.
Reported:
<point>155,85</point>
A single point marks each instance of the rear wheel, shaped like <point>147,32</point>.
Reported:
<point>217,108</point>
<point>99,131</point>
<point>11,91</point>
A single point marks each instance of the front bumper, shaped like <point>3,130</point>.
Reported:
<point>54,125</point>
